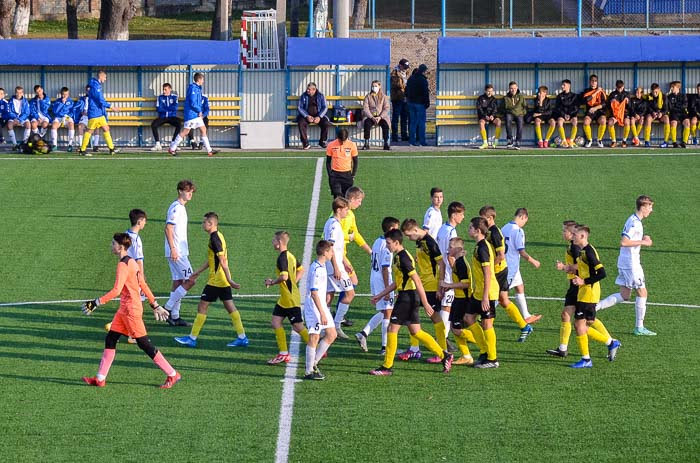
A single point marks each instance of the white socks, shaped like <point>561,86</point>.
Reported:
<point>95,141</point>
<point>640,309</point>
<point>174,302</point>
<point>611,301</point>
<point>175,142</point>
<point>385,328</point>
<point>11,136</point>
<point>320,350</point>
<point>310,359</point>
<point>446,320</point>
<point>27,133</point>
<point>71,136</point>
<point>175,310</point>
<point>340,313</point>
<point>205,142</point>
<point>522,304</point>
<point>373,323</point>
<point>54,137</point>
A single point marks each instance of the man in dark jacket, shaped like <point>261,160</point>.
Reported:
<point>399,106</point>
<point>515,109</point>
<point>312,109</point>
<point>418,97</point>
<point>487,113</point>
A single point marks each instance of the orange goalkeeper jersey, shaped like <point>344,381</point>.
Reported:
<point>128,284</point>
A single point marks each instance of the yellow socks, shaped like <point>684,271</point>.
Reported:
<point>304,335</point>
<point>601,131</point>
<point>478,333</point>
<point>538,132</point>
<point>674,133</point>
<point>391,342</point>
<point>597,336</point>
<point>587,132</point>
<point>611,129</point>
<point>197,325</point>
<point>635,130</point>
<point>86,140</point>
<point>598,326</point>
<point>574,131</point>
<point>562,134</point>
<point>514,314</point>
<point>483,135</point>
<point>564,334</point>
<point>626,132</point>
<point>498,133</point>
<point>281,338</point>
<point>686,134</point>
<point>428,342</point>
<point>414,341</point>
<point>550,131</point>
<point>583,346</point>
<point>667,131</point>
<point>441,335</point>
<point>647,133</point>
<point>694,129</point>
<point>108,139</point>
<point>468,336</point>
<point>490,336</point>
<point>462,344</point>
<point>237,323</point>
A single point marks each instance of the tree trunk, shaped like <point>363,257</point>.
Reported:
<point>72,18</point>
<point>20,24</point>
<point>6,7</point>
<point>216,22</point>
<point>359,14</point>
<point>114,19</point>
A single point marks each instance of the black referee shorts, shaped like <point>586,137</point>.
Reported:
<point>339,183</point>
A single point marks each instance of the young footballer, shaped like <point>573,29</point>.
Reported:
<point>565,110</point>
<point>62,109</point>
<point>410,295</point>
<point>205,117</point>
<point>484,295</point>
<point>39,107</point>
<point>128,321</point>
<point>432,220</point>
<point>3,113</point>
<point>542,113</point>
<point>678,112</point>
<point>630,273</point>
<point>288,273</point>
<point>515,249</point>
<point>193,116</point>
<point>166,107</point>
<point>694,112</point>
<point>379,279</point>
<point>594,100</point>
<point>590,272</point>
<point>500,269</point>
<point>637,113</point>
<point>657,110</point>
<point>338,268</point>
<point>96,112</point>
<point>619,111</point>
<point>487,113</point>
<point>218,286</point>
<point>316,314</point>
<point>177,251</point>
<point>18,113</point>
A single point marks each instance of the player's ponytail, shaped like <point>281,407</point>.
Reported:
<point>123,239</point>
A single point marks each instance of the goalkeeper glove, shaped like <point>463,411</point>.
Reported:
<point>159,312</point>
<point>90,306</point>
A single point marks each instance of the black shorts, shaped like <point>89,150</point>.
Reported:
<point>212,293</point>
<point>584,311</point>
<point>474,308</point>
<point>434,302</point>
<point>339,182</point>
<point>502,279</point>
<point>405,309</point>
<point>657,118</point>
<point>557,114</point>
<point>691,115</point>
<point>676,116</point>
<point>293,313</point>
<point>530,118</point>
<point>459,309</point>
<point>596,115</point>
<point>571,295</point>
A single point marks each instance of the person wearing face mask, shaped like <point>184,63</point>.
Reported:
<point>375,111</point>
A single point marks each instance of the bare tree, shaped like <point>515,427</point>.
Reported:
<point>216,22</point>
<point>359,14</point>
<point>72,18</point>
<point>6,7</point>
<point>114,19</point>
<point>20,23</point>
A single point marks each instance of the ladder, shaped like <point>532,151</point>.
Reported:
<point>259,46</point>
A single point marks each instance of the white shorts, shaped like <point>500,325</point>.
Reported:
<point>448,298</point>
<point>312,319</point>
<point>337,286</point>
<point>83,120</point>
<point>195,123</point>
<point>383,304</point>
<point>632,278</point>
<point>180,269</point>
<point>517,280</point>
<point>63,122</point>
<point>41,119</point>
<point>16,122</point>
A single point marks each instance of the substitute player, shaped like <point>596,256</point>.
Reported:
<point>515,249</point>
<point>619,113</point>
<point>566,108</point>
<point>657,110</point>
<point>410,296</point>
<point>542,113</point>
<point>218,286</point>
<point>487,113</point>
<point>18,113</point>
<point>678,112</point>
<point>62,109</point>
<point>630,273</point>
<point>193,117</point>
<point>379,279</point>
<point>316,314</point>
<point>39,106</point>
<point>96,109</point>
<point>594,100</point>
<point>177,251</point>
<point>637,113</point>
<point>288,273</point>
<point>128,321</point>
<point>432,220</point>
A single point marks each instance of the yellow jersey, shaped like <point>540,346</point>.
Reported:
<point>427,257</point>
<point>481,258</point>
<point>349,226</point>
<point>591,270</point>
<point>289,290</point>
<point>215,254</point>
<point>572,253</point>
<point>461,273</point>
<point>495,237</point>
<point>403,269</point>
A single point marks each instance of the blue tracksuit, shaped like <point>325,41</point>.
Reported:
<point>39,107</point>
<point>167,106</point>
<point>24,111</point>
<point>79,108</point>
<point>97,105</point>
<point>193,102</point>
<point>205,106</point>
<point>3,110</point>
<point>61,109</point>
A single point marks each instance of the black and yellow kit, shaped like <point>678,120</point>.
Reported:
<point>638,107</point>
<point>677,106</point>
<point>406,306</point>
<point>619,96</point>
<point>486,106</point>
<point>572,253</point>
<point>592,97</point>
<point>427,257</point>
<point>591,270</point>
<point>461,273</point>
<point>495,237</point>
<point>289,291</point>
<point>566,104</point>
<point>216,252</point>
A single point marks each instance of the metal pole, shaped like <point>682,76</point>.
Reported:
<point>443,20</point>
<point>281,30</point>
<point>579,20</point>
<point>413,14</point>
<point>647,14</point>
<point>223,21</point>
<point>510,21</point>
<point>374,14</point>
<point>503,13</point>
<point>310,32</point>
<point>341,15</point>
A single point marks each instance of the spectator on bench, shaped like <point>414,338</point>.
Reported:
<point>418,97</point>
<point>166,105</point>
<point>515,109</point>
<point>205,118</point>
<point>312,109</point>
<point>399,106</point>
<point>375,111</point>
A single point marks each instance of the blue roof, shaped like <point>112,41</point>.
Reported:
<point>480,50</point>
<point>117,52</point>
<point>316,52</point>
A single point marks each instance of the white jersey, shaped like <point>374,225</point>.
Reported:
<point>177,217</point>
<point>444,235</point>
<point>629,255</point>
<point>432,221</point>
<point>135,251</point>
<point>381,259</point>
<point>333,232</point>
<point>514,238</point>
<point>316,281</point>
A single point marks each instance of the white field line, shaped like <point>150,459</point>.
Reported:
<point>284,433</point>
<point>262,296</point>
